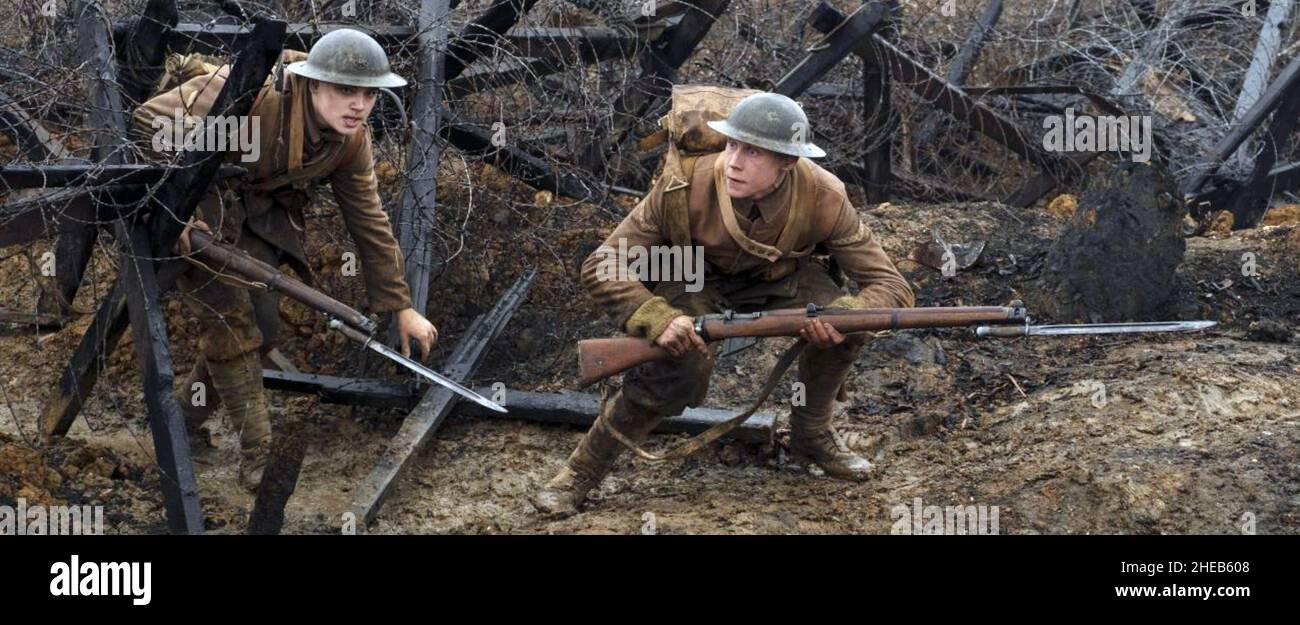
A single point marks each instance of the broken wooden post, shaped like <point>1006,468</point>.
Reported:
<point>417,212</point>
<point>418,427</point>
<point>149,330</point>
<point>141,62</point>
<point>960,69</point>
<point>33,140</point>
<point>660,61</point>
<point>1267,102</point>
<point>936,91</point>
<point>848,35</point>
<point>581,409</point>
<point>1250,204</point>
<point>529,168</point>
<point>1267,47</point>
<point>107,120</point>
<point>482,34</point>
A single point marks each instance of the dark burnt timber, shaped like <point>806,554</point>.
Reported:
<point>660,61</point>
<point>846,36</point>
<point>33,140</point>
<point>108,122</point>
<point>531,169</point>
<point>480,35</point>
<point>93,175</point>
<point>420,424</point>
<point>182,190</point>
<point>579,409</point>
<point>140,62</point>
<point>417,211</point>
<point>960,68</point>
<point>1252,202</point>
<point>936,91</point>
<point>149,330</point>
<point>1246,125</point>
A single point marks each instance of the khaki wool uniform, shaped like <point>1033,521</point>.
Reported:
<point>758,257</point>
<point>263,214</point>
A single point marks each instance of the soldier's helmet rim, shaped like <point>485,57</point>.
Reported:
<point>348,57</point>
<point>770,121</point>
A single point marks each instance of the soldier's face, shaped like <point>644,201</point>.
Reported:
<point>752,172</point>
<point>343,108</point>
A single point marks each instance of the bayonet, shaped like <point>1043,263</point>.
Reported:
<point>1092,328</point>
<point>368,342</point>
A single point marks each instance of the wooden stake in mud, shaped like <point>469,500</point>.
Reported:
<point>418,427</point>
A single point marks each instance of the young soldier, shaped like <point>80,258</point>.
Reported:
<point>312,130</point>
<point>759,209</point>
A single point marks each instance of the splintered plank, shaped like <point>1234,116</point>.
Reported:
<point>419,426</point>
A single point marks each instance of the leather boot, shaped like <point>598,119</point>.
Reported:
<point>239,382</point>
<point>811,434</point>
<point>592,460</point>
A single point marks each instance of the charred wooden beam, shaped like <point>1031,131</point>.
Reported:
<point>94,175</point>
<point>330,389</point>
<point>568,408</point>
<point>1252,202</point>
<point>1246,124</point>
<point>936,91</point>
<point>57,212</point>
<point>848,35</point>
<point>482,34</point>
<point>149,330</point>
<point>141,61</point>
<point>581,409</point>
<point>529,168</point>
<point>108,123</point>
<point>960,68</point>
<point>31,137</point>
<point>660,61</point>
<point>417,210</point>
<point>419,426</point>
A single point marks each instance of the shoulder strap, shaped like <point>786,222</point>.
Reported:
<point>677,182</point>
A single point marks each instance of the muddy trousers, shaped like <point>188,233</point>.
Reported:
<point>665,388</point>
<point>237,324</point>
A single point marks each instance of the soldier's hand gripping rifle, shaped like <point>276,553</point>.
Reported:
<point>601,358</point>
<point>219,257</point>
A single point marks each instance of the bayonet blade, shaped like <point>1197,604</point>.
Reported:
<point>1094,328</point>
<point>430,374</point>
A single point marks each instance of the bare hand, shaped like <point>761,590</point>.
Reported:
<point>183,246</point>
<point>679,338</point>
<point>820,334</point>
<point>412,326</point>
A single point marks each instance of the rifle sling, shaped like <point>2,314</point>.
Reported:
<point>703,439</point>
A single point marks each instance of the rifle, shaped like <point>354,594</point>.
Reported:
<point>601,358</point>
<point>218,257</point>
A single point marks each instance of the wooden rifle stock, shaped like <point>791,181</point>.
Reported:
<point>601,358</point>
<point>218,257</point>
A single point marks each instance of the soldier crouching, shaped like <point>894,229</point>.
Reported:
<point>760,210</point>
